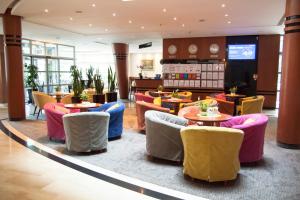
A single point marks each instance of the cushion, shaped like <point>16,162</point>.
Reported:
<point>62,109</point>
<point>113,107</point>
<point>249,121</point>
<point>157,101</point>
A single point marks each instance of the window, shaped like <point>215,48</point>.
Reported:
<point>279,71</point>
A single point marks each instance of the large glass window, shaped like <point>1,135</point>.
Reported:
<point>53,62</point>
<point>279,71</point>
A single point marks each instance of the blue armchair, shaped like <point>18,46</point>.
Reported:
<point>116,110</point>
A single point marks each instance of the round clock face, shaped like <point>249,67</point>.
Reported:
<point>193,49</point>
<point>214,48</point>
<point>172,49</point>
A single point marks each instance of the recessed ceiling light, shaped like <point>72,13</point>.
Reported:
<point>106,30</point>
<point>201,20</point>
<point>114,14</point>
<point>182,25</point>
<point>223,5</point>
<point>226,15</point>
<point>164,10</point>
<point>46,10</point>
<point>130,22</point>
<point>71,18</point>
<point>175,18</point>
<point>90,25</point>
<point>142,27</point>
<point>94,5</point>
<point>229,22</point>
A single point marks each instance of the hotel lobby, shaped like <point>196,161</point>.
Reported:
<point>138,99</point>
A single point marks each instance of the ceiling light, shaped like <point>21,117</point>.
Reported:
<point>175,18</point>
<point>114,14</point>
<point>78,11</point>
<point>90,25</point>
<point>130,22</point>
<point>164,10</point>
<point>94,5</point>
<point>223,5</point>
<point>229,22</point>
<point>46,10</point>
<point>201,20</point>
<point>142,27</point>
<point>226,15</point>
<point>71,18</point>
<point>106,30</point>
<point>182,25</point>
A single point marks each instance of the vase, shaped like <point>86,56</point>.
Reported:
<point>141,75</point>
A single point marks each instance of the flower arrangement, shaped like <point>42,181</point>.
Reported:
<point>206,105</point>
<point>141,67</point>
<point>233,90</point>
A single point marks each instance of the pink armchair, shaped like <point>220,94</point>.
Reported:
<point>142,97</point>
<point>54,114</point>
<point>254,126</point>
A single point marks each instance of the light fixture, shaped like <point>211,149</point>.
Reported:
<point>223,5</point>
<point>174,18</point>
<point>46,10</point>
<point>229,22</point>
<point>71,18</point>
<point>142,27</point>
<point>93,5</point>
<point>114,14</point>
<point>182,25</point>
<point>90,25</point>
<point>226,15</point>
<point>106,30</point>
<point>164,10</point>
<point>130,22</point>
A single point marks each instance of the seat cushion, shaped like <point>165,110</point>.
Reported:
<point>249,121</point>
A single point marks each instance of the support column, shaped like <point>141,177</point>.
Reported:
<point>121,55</point>
<point>288,132</point>
<point>14,66</point>
<point>3,86</point>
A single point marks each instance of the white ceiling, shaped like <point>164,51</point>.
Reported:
<point>246,16</point>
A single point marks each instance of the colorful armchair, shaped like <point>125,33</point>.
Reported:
<point>185,95</point>
<point>54,119</point>
<point>211,153</point>
<point>141,108</point>
<point>254,126</point>
<point>116,111</point>
<point>226,107</point>
<point>143,97</point>
<point>40,99</point>
<point>250,105</point>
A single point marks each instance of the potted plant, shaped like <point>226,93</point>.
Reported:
<point>233,90</point>
<point>175,94</point>
<point>111,95</point>
<point>160,88</point>
<point>76,84</point>
<point>84,97</point>
<point>31,80</point>
<point>90,76</point>
<point>98,97</point>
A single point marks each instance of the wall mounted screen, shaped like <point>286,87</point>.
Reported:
<point>241,51</point>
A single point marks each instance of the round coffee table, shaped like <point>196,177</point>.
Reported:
<point>208,120</point>
<point>82,106</point>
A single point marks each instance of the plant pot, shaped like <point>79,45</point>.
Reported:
<point>76,99</point>
<point>111,96</point>
<point>141,75</point>
<point>99,98</point>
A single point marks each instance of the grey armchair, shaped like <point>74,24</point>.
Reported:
<point>86,131</point>
<point>163,135</point>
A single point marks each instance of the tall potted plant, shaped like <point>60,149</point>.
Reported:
<point>31,80</point>
<point>77,84</point>
<point>111,95</point>
<point>90,75</point>
<point>98,97</point>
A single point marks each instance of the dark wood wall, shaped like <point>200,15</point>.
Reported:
<point>267,69</point>
<point>3,87</point>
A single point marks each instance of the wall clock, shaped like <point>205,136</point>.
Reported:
<point>214,48</point>
<point>172,49</point>
<point>193,49</point>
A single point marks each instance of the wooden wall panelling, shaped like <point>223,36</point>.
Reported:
<point>205,43</point>
<point>178,43</point>
<point>267,69</point>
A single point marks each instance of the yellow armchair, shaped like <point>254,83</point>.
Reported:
<point>67,99</point>
<point>251,105</point>
<point>40,99</point>
<point>185,95</point>
<point>211,153</point>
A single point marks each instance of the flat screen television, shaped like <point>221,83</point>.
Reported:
<point>241,51</point>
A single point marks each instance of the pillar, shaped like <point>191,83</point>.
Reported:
<point>3,87</point>
<point>14,66</point>
<point>288,132</point>
<point>121,56</point>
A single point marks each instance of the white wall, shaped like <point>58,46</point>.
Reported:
<point>135,59</point>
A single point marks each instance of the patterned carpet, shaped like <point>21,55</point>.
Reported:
<point>277,176</point>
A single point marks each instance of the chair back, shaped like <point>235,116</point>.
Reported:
<point>185,95</point>
<point>67,99</point>
<point>40,99</point>
<point>142,97</point>
<point>211,153</point>
<point>254,105</point>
